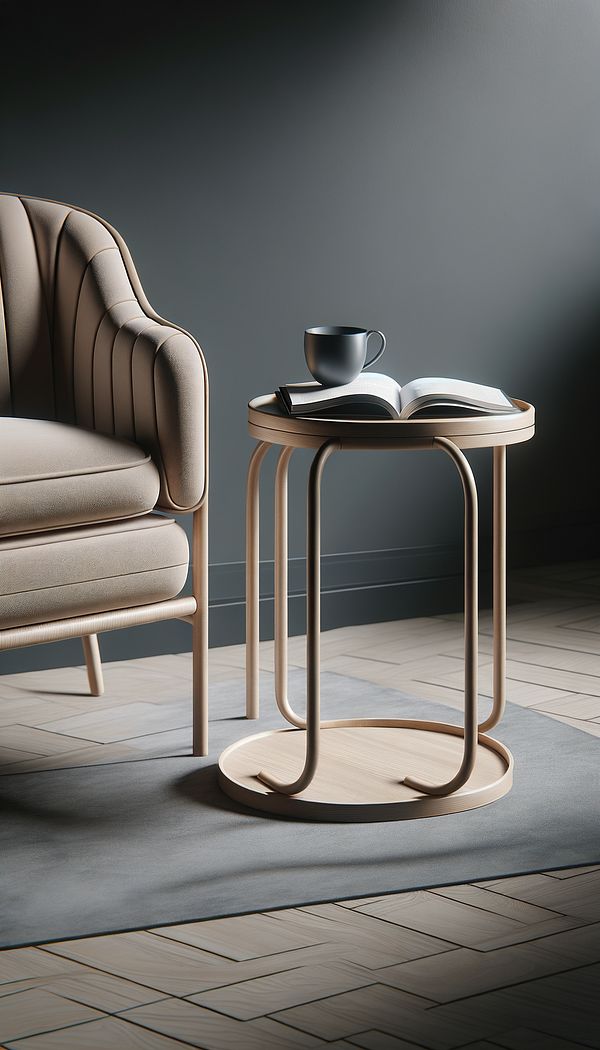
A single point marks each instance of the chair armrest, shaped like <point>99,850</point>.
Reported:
<point>123,370</point>
<point>156,393</point>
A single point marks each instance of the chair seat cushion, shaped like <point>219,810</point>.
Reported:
<point>53,474</point>
<point>92,568</point>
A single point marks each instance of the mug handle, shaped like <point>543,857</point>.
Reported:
<point>375,331</point>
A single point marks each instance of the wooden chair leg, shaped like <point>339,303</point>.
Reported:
<point>93,663</point>
<point>253,580</point>
<point>200,630</point>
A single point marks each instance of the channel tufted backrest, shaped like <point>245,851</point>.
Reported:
<point>80,343</point>
<point>26,383</point>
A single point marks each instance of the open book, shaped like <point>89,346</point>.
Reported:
<point>374,394</point>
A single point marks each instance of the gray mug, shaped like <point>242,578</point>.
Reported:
<point>337,354</point>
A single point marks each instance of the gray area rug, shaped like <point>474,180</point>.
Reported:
<point>122,846</point>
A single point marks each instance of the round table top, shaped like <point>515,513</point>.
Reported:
<point>268,422</point>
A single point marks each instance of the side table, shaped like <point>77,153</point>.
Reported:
<point>370,769</point>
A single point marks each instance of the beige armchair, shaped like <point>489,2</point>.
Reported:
<point>103,435</point>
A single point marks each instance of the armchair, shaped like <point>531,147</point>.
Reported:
<point>103,436</point>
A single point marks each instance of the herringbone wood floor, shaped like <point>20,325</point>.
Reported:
<point>512,963</point>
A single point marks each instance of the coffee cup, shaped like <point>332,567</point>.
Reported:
<point>337,354</point>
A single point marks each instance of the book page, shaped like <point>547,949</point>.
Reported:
<point>305,396</point>
<point>432,390</point>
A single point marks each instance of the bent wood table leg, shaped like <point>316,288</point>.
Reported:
<point>200,630</point>
<point>93,663</point>
<point>281,590</point>
<point>471,628</point>
<point>499,591</point>
<point>313,629</point>
<point>281,593</point>
<point>252,579</point>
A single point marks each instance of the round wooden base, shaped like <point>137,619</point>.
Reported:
<point>361,767</point>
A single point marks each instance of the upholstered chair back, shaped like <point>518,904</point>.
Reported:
<point>79,343</point>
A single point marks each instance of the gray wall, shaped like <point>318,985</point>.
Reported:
<point>428,168</point>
